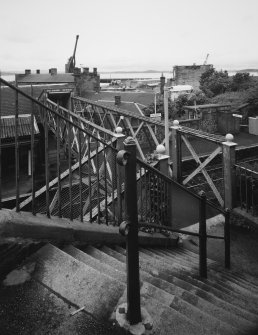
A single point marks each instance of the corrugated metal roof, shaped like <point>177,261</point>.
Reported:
<point>24,126</point>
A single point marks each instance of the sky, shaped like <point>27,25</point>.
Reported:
<point>128,34</point>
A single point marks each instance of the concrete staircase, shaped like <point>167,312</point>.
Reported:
<point>62,280</point>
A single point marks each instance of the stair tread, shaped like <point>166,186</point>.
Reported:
<point>234,294</point>
<point>76,282</point>
<point>243,316</point>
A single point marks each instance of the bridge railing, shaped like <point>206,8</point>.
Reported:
<point>213,159</point>
<point>147,133</point>
<point>67,169</point>
<point>247,187</point>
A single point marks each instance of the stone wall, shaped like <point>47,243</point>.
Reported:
<point>86,81</point>
<point>189,74</point>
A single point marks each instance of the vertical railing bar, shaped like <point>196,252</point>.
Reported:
<point>141,202</point>
<point>32,157</point>
<point>246,191</point>
<point>0,142</point>
<point>105,181</point>
<point>202,236</point>
<point>98,180</point>
<point>46,163</point>
<point>227,238</point>
<point>58,165</point>
<point>146,192</point>
<point>70,172</point>
<point>252,193</point>
<point>113,184</point>
<point>89,166</point>
<point>238,178</point>
<point>80,174</point>
<point>17,163</point>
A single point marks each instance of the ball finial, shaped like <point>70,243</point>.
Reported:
<point>175,123</point>
<point>229,138</point>
<point>119,130</point>
<point>160,149</point>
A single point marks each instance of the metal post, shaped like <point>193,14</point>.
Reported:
<point>202,236</point>
<point>166,120</point>
<point>132,251</point>
<point>120,174</point>
<point>229,158</point>
<point>227,238</point>
<point>176,151</point>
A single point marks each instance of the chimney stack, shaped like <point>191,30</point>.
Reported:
<point>95,71</point>
<point>27,71</point>
<point>77,71</point>
<point>86,70</point>
<point>162,84</point>
<point>38,71</point>
<point>117,100</point>
<point>53,71</point>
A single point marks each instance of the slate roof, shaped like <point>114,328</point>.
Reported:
<point>7,102</point>
<point>24,126</point>
<point>144,98</point>
<point>127,99</point>
<point>46,78</point>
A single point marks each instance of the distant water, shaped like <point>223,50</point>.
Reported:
<point>9,77</point>
<point>135,75</point>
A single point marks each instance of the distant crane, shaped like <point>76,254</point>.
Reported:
<point>69,67</point>
<point>206,59</point>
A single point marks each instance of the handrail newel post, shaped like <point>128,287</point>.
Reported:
<point>202,236</point>
<point>127,157</point>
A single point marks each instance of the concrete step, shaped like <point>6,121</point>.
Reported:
<point>234,274</point>
<point>217,271</point>
<point>28,307</point>
<point>231,314</point>
<point>223,289</point>
<point>178,304</point>
<point>166,320</point>
<point>76,282</point>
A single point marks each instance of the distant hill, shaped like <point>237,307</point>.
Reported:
<point>247,70</point>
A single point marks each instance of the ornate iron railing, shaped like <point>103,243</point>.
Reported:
<point>72,166</point>
<point>247,188</point>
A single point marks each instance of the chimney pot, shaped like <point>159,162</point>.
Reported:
<point>117,100</point>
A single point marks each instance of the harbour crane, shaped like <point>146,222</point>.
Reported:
<point>69,67</point>
<point>206,59</point>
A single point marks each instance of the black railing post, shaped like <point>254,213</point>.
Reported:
<point>227,238</point>
<point>202,236</point>
<point>132,250</point>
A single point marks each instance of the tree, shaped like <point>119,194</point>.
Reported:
<point>241,81</point>
<point>214,82</point>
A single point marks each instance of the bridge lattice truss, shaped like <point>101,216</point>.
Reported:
<point>146,132</point>
<point>87,134</point>
<point>92,187</point>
